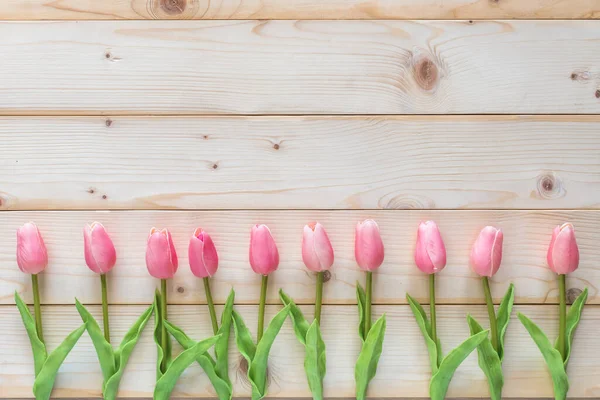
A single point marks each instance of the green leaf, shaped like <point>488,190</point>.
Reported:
<point>503,317</point>
<point>315,360</point>
<point>166,352</point>
<point>37,346</point>
<point>425,326</point>
<point>489,361</point>
<point>222,345</point>
<point>257,372</point>
<point>552,356</point>
<point>361,299</point>
<point>104,350</point>
<point>573,318</point>
<point>441,379</point>
<point>111,387</point>
<point>243,338</point>
<point>166,383</point>
<point>366,364</point>
<point>44,381</point>
<point>300,323</point>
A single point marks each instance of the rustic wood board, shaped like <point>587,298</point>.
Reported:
<point>300,162</point>
<point>297,9</point>
<point>527,235</point>
<point>300,67</point>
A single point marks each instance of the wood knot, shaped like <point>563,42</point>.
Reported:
<point>215,166</point>
<point>549,186</point>
<point>104,197</point>
<point>205,137</point>
<point>572,295</point>
<point>326,276</point>
<point>108,123</point>
<point>173,7</point>
<point>91,190</point>
<point>107,55</point>
<point>242,373</point>
<point>426,74</point>
<point>597,94</point>
<point>276,146</point>
<point>180,289</point>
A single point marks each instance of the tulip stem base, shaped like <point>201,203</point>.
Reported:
<point>319,297</point>
<point>432,307</point>
<point>211,305</point>
<point>491,313</point>
<point>368,301</point>
<point>36,307</point>
<point>163,329</point>
<point>261,307</point>
<point>105,307</point>
<point>563,315</point>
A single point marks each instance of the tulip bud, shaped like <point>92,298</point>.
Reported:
<point>563,254</point>
<point>368,246</point>
<point>32,257</point>
<point>99,250</point>
<point>161,258</point>
<point>264,257</point>
<point>486,254</point>
<point>430,253</point>
<point>202,254</point>
<point>317,252</point>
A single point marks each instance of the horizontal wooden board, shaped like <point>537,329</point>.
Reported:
<point>527,235</point>
<point>299,162</point>
<point>297,9</point>
<point>299,67</point>
<point>403,370</point>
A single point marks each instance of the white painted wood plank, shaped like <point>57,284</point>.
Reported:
<point>299,67</point>
<point>527,235</point>
<point>403,370</point>
<point>296,9</point>
<point>299,162</point>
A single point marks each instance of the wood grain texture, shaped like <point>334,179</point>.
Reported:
<point>297,9</point>
<point>299,162</point>
<point>403,370</point>
<point>527,235</point>
<point>300,67</point>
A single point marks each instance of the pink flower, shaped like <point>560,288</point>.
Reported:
<point>32,256</point>
<point>368,246</point>
<point>202,254</point>
<point>264,257</point>
<point>563,254</point>
<point>100,253</point>
<point>430,253</point>
<point>317,252</point>
<point>161,258</point>
<point>486,254</point>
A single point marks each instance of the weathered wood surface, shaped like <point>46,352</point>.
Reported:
<point>297,9</point>
<point>403,369</point>
<point>299,67</point>
<point>527,235</point>
<point>299,162</point>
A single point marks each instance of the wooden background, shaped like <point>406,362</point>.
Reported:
<point>226,113</point>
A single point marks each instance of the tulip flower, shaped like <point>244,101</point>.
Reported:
<point>161,261</point>
<point>32,258</point>
<point>100,257</point>
<point>369,254</point>
<point>317,255</point>
<point>563,258</point>
<point>204,262</point>
<point>430,253</point>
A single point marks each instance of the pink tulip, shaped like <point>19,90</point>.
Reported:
<point>368,246</point>
<point>486,254</point>
<point>161,258</point>
<point>99,250</point>
<point>32,256</point>
<point>264,257</point>
<point>430,253</point>
<point>202,254</point>
<point>317,252</point>
<point>563,254</point>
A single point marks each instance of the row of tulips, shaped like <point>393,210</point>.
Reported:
<point>318,256</point>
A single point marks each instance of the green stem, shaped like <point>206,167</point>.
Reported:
<point>562,333</point>
<point>368,302</point>
<point>105,307</point>
<point>491,313</point>
<point>432,307</point>
<point>319,297</point>
<point>163,328</point>
<point>36,307</point>
<point>211,305</point>
<point>261,307</point>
